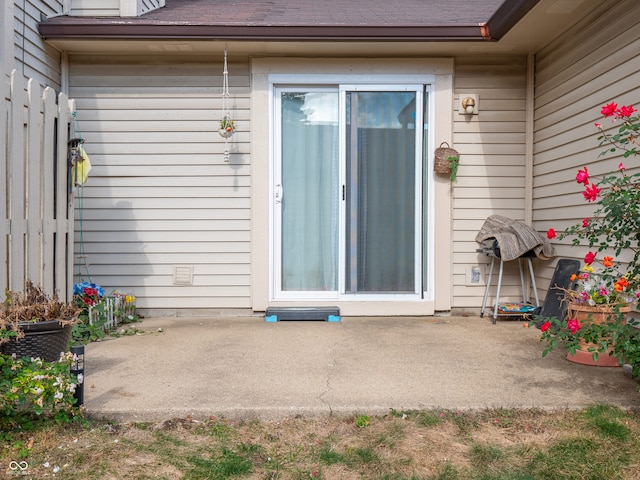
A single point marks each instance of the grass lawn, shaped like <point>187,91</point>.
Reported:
<point>596,443</point>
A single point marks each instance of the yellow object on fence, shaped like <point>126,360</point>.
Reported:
<point>82,167</point>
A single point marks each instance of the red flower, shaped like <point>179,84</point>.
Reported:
<point>591,193</point>
<point>545,326</point>
<point>573,324</point>
<point>589,258</point>
<point>607,262</point>
<point>609,110</point>
<point>583,176</point>
<point>585,222</point>
<point>88,301</point>
<point>625,111</point>
<point>551,233</point>
<point>621,167</point>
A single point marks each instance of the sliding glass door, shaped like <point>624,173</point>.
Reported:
<point>348,191</point>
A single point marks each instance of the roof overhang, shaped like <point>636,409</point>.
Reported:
<point>507,15</point>
<point>517,26</point>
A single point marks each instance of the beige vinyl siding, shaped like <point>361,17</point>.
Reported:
<point>492,176</point>
<point>113,8</point>
<point>90,8</point>
<point>145,6</point>
<point>595,63</point>
<point>32,56</point>
<point>160,194</point>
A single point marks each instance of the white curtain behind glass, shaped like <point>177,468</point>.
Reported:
<point>310,191</point>
<point>381,202</point>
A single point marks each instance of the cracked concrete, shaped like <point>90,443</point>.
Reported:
<point>243,367</point>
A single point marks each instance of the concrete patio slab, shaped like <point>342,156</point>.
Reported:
<point>244,367</point>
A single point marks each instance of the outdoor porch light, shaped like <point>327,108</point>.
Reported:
<point>469,104</point>
<point>77,368</point>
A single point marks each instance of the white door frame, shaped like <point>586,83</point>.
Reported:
<point>342,85</point>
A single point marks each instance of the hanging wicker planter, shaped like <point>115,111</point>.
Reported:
<point>446,160</point>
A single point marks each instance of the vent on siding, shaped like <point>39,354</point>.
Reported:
<point>183,275</point>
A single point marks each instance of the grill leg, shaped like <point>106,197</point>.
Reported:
<point>486,290</point>
<point>495,307</point>
<point>533,282</point>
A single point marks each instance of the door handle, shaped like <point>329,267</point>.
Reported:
<point>278,193</point>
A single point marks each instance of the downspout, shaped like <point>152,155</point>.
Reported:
<point>64,73</point>
<point>528,148</point>
<point>484,31</point>
<point>6,38</point>
<point>529,118</point>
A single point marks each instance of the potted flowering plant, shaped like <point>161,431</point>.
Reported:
<point>606,293</point>
<point>35,373</point>
<point>88,297</point>
<point>36,324</point>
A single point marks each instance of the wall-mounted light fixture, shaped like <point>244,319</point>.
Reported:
<point>468,104</point>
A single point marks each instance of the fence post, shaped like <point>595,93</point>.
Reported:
<point>5,95</point>
<point>34,183</point>
<point>16,177</point>
<point>48,196</point>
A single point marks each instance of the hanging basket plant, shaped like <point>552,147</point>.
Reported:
<point>227,126</point>
<point>446,161</point>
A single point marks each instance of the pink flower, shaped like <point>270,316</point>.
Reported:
<point>609,110</point>
<point>585,222</point>
<point>573,324</point>
<point>583,176</point>
<point>551,233</point>
<point>625,111</point>
<point>603,291</point>
<point>589,258</point>
<point>545,326</point>
<point>621,167</point>
<point>591,193</point>
<point>597,125</point>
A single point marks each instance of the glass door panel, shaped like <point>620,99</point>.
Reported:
<point>308,195</point>
<point>380,241</point>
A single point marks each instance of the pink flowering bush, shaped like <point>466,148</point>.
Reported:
<point>611,274</point>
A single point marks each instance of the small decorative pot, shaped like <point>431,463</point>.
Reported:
<point>598,314</point>
<point>225,133</point>
<point>41,339</point>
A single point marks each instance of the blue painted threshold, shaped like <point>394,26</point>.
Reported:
<point>325,314</point>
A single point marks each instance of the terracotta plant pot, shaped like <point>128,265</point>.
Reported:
<point>598,314</point>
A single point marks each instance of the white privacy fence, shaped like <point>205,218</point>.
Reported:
<point>36,227</point>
